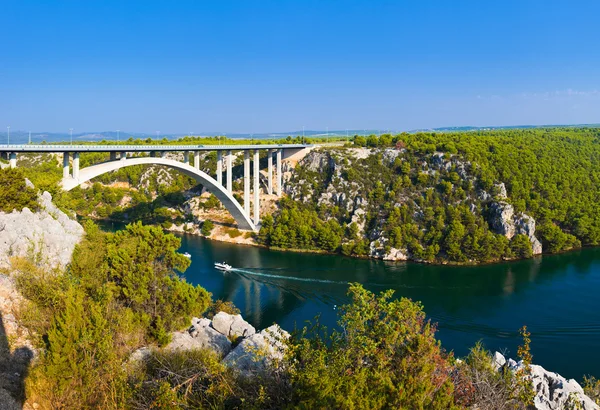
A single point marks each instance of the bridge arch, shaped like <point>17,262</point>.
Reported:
<point>218,190</point>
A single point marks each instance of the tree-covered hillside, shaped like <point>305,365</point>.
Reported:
<point>461,197</point>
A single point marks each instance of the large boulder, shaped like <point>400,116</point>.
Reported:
<point>552,391</point>
<point>200,335</point>
<point>48,235</point>
<point>258,352</point>
<point>232,326</point>
<point>396,255</point>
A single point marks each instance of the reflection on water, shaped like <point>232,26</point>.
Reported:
<point>554,296</point>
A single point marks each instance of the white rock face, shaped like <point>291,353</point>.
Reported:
<point>257,352</point>
<point>526,225</point>
<point>200,335</point>
<point>232,326</point>
<point>318,161</point>
<point>502,214</point>
<point>498,361</point>
<point>505,222</point>
<point>552,391</point>
<point>396,255</point>
<point>49,233</point>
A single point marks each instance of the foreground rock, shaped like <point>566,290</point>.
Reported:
<point>552,391</point>
<point>16,351</point>
<point>49,235</point>
<point>258,352</point>
<point>255,352</point>
<point>200,335</point>
<point>232,326</point>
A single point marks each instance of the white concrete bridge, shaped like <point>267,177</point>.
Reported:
<point>157,156</point>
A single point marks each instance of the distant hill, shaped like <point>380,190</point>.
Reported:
<point>22,137</point>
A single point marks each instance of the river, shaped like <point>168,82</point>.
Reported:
<point>555,296</point>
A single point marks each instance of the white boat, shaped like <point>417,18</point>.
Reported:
<point>223,266</point>
<point>187,255</point>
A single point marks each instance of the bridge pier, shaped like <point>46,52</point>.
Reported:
<point>186,157</point>
<point>12,159</point>
<point>219,168</point>
<point>279,176</point>
<point>113,156</point>
<point>270,172</point>
<point>229,161</point>
<point>256,196</point>
<point>247,182</point>
<point>197,159</point>
<point>75,165</point>
<point>163,154</point>
<point>123,156</point>
<point>65,164</point>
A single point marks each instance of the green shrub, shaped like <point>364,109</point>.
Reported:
<point>221,306</point>
<point>385,356</point>
<point>16,195</point>
<point>207,227</point>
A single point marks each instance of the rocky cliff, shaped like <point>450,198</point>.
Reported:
<point>365,185</point>
<point>49,235</point>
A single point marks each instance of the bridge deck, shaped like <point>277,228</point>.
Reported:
<point>140,148</point>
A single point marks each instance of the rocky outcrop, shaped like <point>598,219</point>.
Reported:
<point>255,352</point>
<point>200,335</point>
<point>552,391</point>
<point>396,255</point>
<point>502,218</point>
<point>48,235</point>
<point>232,326</point>
<point>258,352</point>
<point>525,225</point>
<point>504,221</point>
<point>318,161</point>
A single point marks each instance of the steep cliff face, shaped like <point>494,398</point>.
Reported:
<point>48,235</point>
<point>380,192</point>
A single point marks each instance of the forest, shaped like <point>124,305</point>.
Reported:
<point>438,214</point>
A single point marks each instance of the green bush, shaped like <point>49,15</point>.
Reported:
<point>16,195</point>
<point>385,356</point>
<point>207,227</point>
<point>122,290</point>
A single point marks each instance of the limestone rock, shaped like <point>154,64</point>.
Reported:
<point>258,352</point>
<point>241,328</point>
<point>200,335</point>
<point>396,255</point>
<point>222,322</point>
<point>318,161</point>
<point>525,225</point>
<point>502,222</point>
<point>232,326</point>
<point>552,391</point>
<point>390,155</point>
<point>359,219</point>
<point>501,191</point>
<point>48,235</point>
<point>498,361</point>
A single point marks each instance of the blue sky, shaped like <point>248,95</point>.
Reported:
<point>268,66</point>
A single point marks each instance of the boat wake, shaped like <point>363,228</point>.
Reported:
<point>281,277</point>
